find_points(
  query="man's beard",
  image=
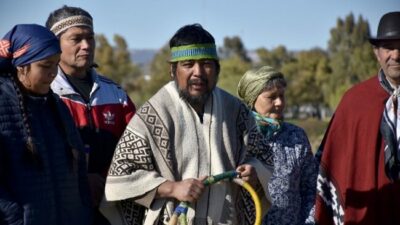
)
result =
(194, 100)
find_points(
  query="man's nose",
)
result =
(396, 54)
(85, 44)
(197, 69)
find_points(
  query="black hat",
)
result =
(388, 28)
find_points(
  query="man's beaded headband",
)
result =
(69, 22)
(193, 52)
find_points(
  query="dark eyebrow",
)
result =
(187, 61)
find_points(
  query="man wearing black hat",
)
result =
(358, 181)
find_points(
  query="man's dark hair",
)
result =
(65, 12)
(191, 34)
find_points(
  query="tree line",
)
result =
(317, 78)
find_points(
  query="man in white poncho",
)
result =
(188, 130)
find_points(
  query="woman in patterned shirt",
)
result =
(292, 186)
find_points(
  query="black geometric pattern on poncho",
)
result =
(159, 131)
(330, 196)
(133, 213)
(243, 117)
(132, 153)
(260, 148)
(246, 207)
(241, 128)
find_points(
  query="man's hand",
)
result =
(188, 190)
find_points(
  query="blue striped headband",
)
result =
(193, 52)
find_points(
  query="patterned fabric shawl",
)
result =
(165, 140)
(390, 129)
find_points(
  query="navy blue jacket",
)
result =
(54, 189)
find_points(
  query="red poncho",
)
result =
(352, 185)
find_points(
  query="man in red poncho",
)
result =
(358, 181)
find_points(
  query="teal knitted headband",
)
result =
(193, 52)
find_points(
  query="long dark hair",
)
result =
(31, 153)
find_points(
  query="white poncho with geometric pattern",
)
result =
(166, 140)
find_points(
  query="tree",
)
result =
(306, 76)
(275, 58)
(234, 47)
(145, 87)
(232, 69)
(125, 71)
(351, 56)
(115, 62)
(160, 70)
(234, 63)
(104, 56)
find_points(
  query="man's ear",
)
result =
(376, 49)
(171, 71)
